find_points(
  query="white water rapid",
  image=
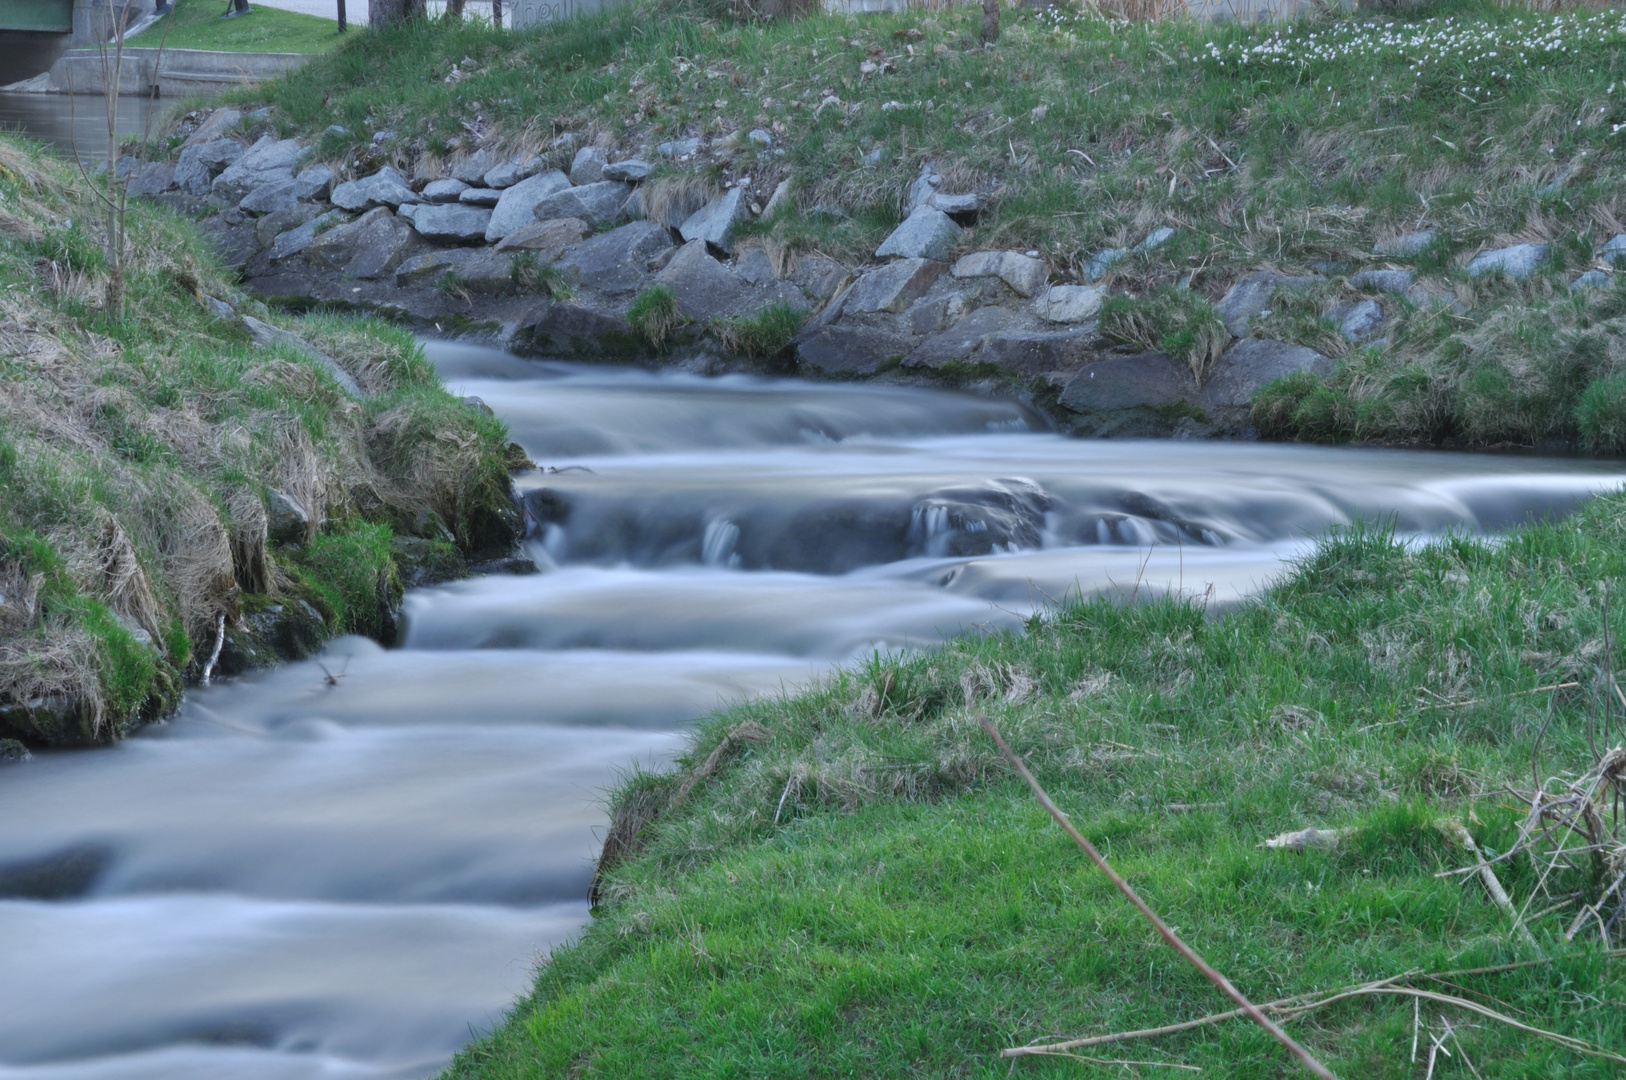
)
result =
(293, 879)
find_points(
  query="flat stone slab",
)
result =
(962, 208)
(925, 234)
(1024, 274)
(1069, 303)
(444, 191)
(455, 223)
(549, 238)
(386, 187)
(1251, 294)
(892, 287)
(268, 198)
(714, 222)
(517, 205)
(480, 196)
(1038, 352)
(1518, 261)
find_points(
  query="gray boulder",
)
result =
(472, 169)
(962, 208)
(454, 223)
(480, 196)
(960, 342)
(274, 224)
(922, 189)
(510, 173)
(632, 170)
(1389, 281)
(269, 197)
(1517, 262)
(314, 184)
(517, 205)
(1022, 273)
(565, 329)
(386, 187)
(678, 148)
(1069, 303)
(892, 287)
(1031, 353)
(430, 266)
(1154, 240)
(924, 234)
(215, 125)
(548, 238)
(1358, 319)
(444, 191)
(489, 271)
(1614, 249)
(371, 246)
(297, 240)
(817, 276)
(1249, 365)
(714, 222)
(199, 163)
(849, 350)
(269, 159)
(603, 203)
(616, 262)
(154, 178)
(1138, 383)
(1251, 295)
(588, 166)
(754, 267)
(286, 520)
(703, 287)
(1101, 263)
(1407, 245)
(1592, 279)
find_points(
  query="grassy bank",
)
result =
(849, 882)
(147, 460)
(1297, 148)
(197, 24)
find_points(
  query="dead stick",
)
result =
(1488, 878)
(1304, 1056)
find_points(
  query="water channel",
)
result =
(292, 879)
(77, 123)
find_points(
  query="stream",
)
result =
(292, 879)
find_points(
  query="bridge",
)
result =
(35, 33)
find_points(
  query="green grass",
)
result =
(654, 316)
(762, 335)
(197, 24)
(862, 889)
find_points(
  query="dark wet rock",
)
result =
(924, 234)
(453, 224)
(443, 191)
(703, 287)
(632, 170)
(431, 266)
(588, 166)
(273, 225)
(567, 329)
(517, 206)
(1249, 365)
(286, 520)
(1129, 395)
(892, 287)
(386, 187)
(1039, 352)
(1024, 274)
(480, 196)
(199, 163)
(714, 222)
(604, 203)
(547, 238)
(1251, 294)
(67, 874)
(616, 262)
(1389, 281)
(850, 349)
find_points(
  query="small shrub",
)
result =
(1601, 415)
(528, 270)
(1172, 320)
(655, 316)
(763, 335)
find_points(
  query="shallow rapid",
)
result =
(300, 877)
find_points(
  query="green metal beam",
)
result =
(52, 16)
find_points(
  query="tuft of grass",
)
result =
(654, 316)
(763, 335)
(529, 271)
(353, 571)
(848, 881)
(1172, 320)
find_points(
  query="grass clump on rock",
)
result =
(655, 316)
(763, 335)
(1172, 320)
(164, 479)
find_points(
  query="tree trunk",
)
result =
(344, 24)
(990, 21)
(454, 9)
(382, 13)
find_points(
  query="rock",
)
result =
(1432, 296)
(273, 225)
(603, 203)
(615, 262)
(678, 148)
(1517, 262)
(267, 335)
(430, 266)
(548, 238)
(1102, 262)
(1614, 250)
(874, 157)
(386, 187)
(455, 223)
(892, 287)
(1069, 303)
(817, 276)
(1358, 319)
(155, 178)
(703, 287)
(219, 308)
(489, 271)
(480, 196)
(267, 160)
(198, 164)
(276, 195)
(382, 137)
(472, 169)
(754, 267)
(314, 184)
(517, 205)
(934, 314)
(632, 170)
(849, 350)
(960, 342)
(510, 173)
(1024, 274)
(923, 188)
(368, 247)
(215, 125)
(1139, 383)
(409, 211)
(1389, 281)
(1154, 240)
(714, 222)
(444, 191)
(286, 520)
(567, 329)
(1592, 279)
(924, 234)
(1249, 365)
(588, 166)
(1404, 247)
(336, 132)
(295, 241)
(1037, 352)
(780, 197)
(962, 208)
(1251, 295)
(759, 136)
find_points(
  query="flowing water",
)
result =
(298, 879)
(76, 123)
